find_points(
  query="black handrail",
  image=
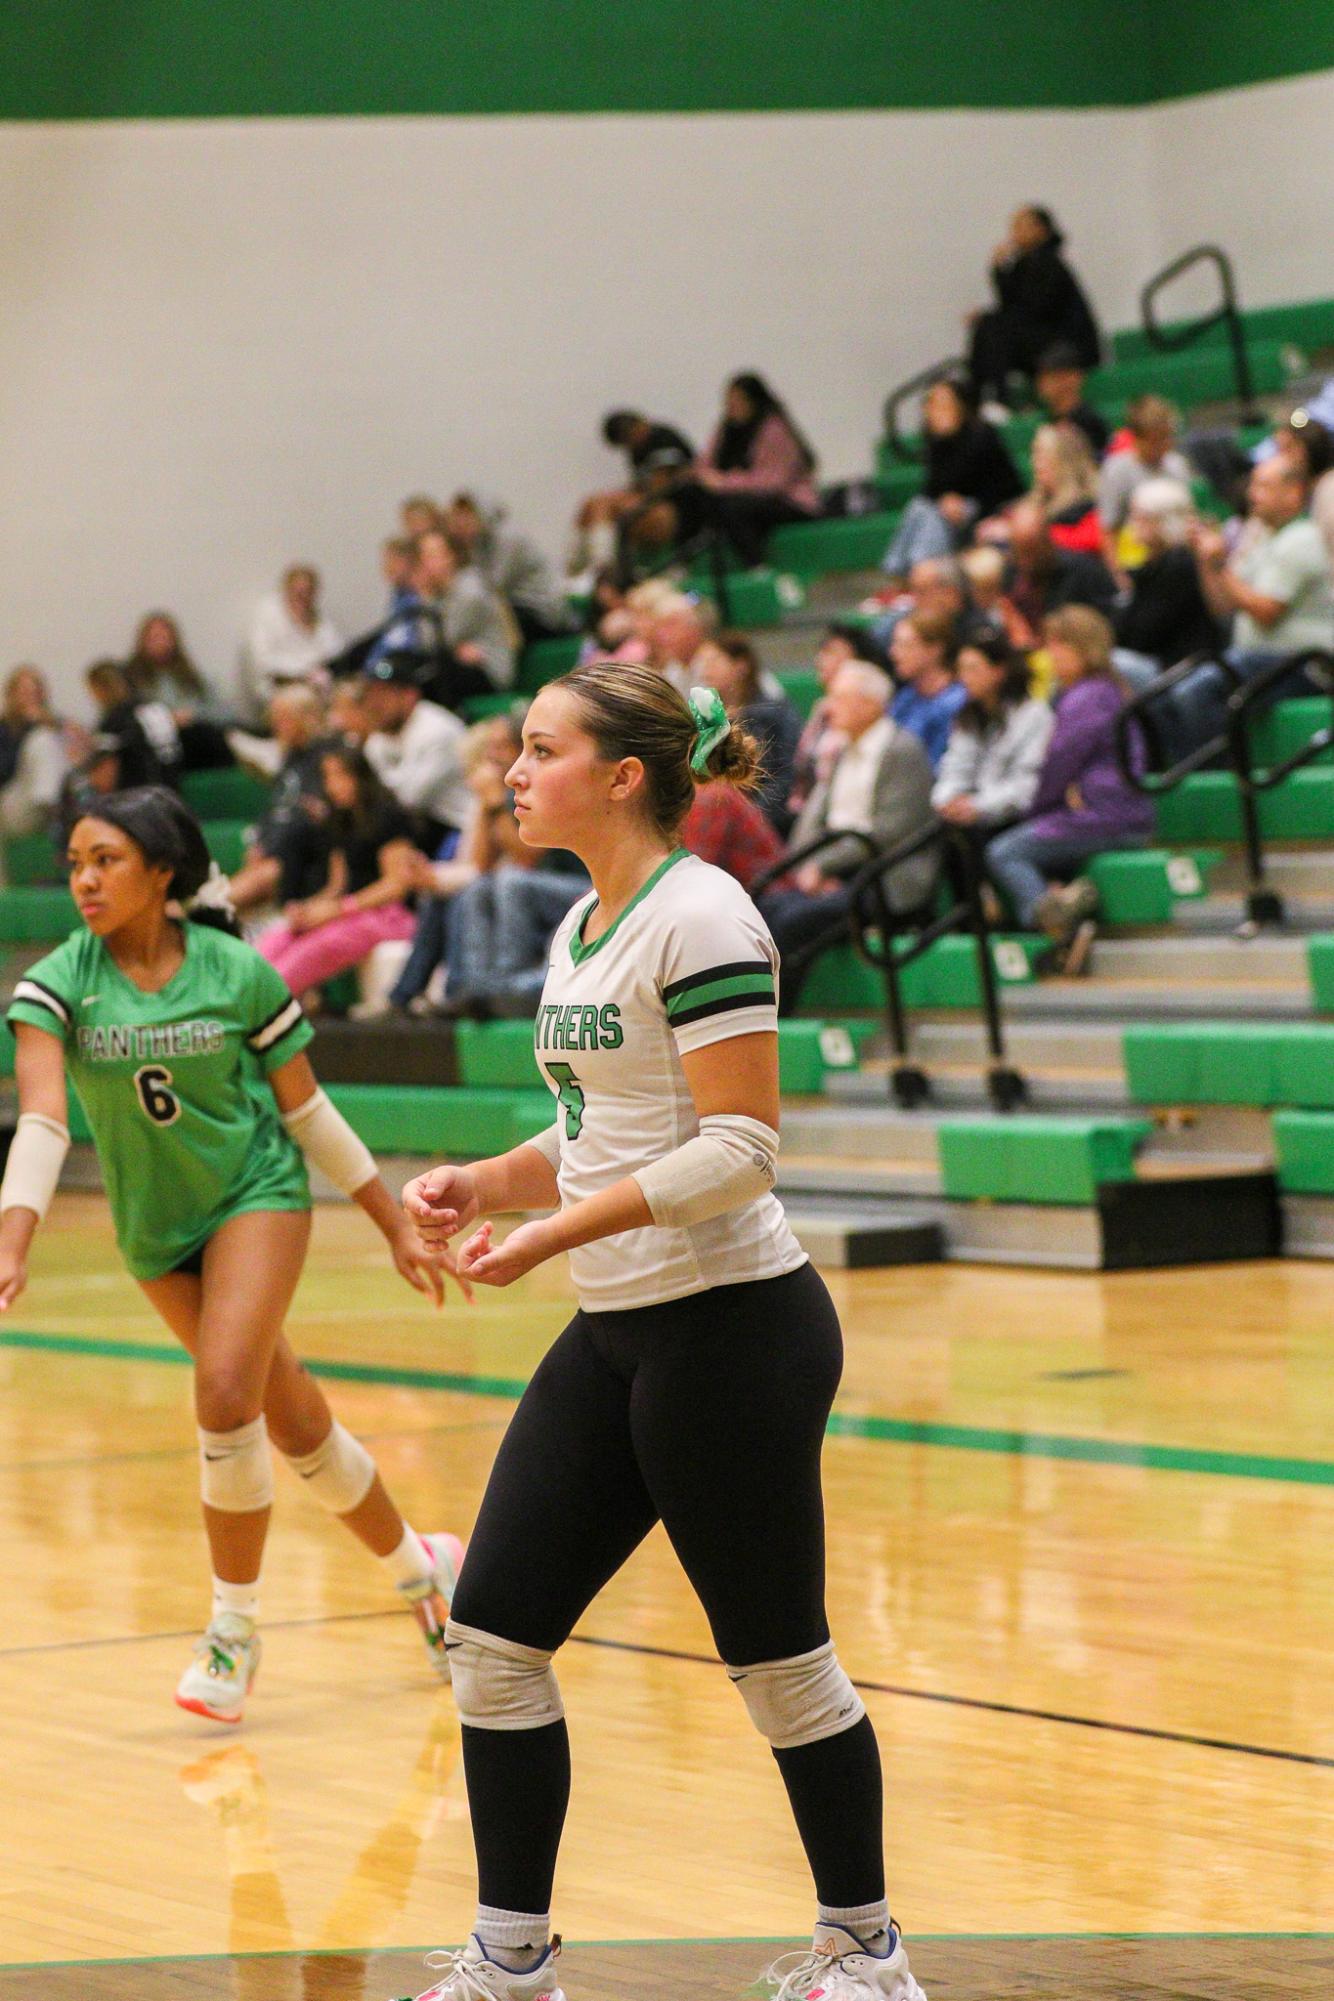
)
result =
(875, 926)
(901, 446)
(1245, 702)
(1226, 313)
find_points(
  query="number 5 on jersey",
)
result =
(161, 1104)
(571, 1097)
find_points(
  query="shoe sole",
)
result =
(202, 1709)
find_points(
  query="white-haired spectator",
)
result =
(880, 786)
(678, 630)
(1150, 455)
(290, 638)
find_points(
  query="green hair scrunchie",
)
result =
(711, 726)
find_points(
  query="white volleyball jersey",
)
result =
(688, 962)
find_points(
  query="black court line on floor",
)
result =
(1205, 1967)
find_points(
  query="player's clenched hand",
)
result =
(423, 1268)
(490, 1263)
(441, 1203)
(13, 1277)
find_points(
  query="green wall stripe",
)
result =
(842, 1424)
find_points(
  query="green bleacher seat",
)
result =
(1193, 375)
(6, 1050)
(811, 549)
(392, 1118)
(544, 660)
(1304, 1143)
(1030, 1158)
(1307, 324)
(1204, 807)
(226, 842)
(1288, 727)
(231, 794)
(945, 976)
(1320, 959)
(479, 708)
(31, 858)
(1259, 1063)
(756, 597)
(36, 916)
(499, 1055)
(1141, 885)
(897, 479)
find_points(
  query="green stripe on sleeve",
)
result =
(748, 986)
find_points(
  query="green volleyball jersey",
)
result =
(174, 1087)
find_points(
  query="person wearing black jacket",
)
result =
(969, 475)
(1039, 303)
(1166, 616)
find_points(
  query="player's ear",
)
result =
(628, 778)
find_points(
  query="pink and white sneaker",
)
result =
(838, 1967)
(470, 1976)
(431, 1598)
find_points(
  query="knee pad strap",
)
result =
(235, 1469)
(801, 1700)
(338, 1473)
(498, 1684)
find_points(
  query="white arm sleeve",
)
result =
(733, 1161)
(36, 1156)
(329, 1143)
(547, 1143)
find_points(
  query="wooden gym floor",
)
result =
(1081, 1564)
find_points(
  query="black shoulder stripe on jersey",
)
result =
(711, 973)
(279, 1023)
(730, 1004)
(32, 990)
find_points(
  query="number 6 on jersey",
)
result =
(161, 1104)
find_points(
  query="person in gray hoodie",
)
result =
(511, 564)
(989, 774)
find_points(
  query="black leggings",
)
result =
(706, 1413)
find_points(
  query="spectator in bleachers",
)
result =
(880, 786)
(1084, 804)
(677, 631)
(287, 857)
(989, 774)
(510, 564)
(148, 742)
(657, 456)
(290, 637)
(756, 474)
(1164, 616)
(928, 696)
(729, 664)
(1065, 486)
(35, 754)
(1151, 454)
(417, 515)
(1274, 586)
(1040, 303)
(159, 669)
(1304, 442)
(415, 747)
(969, 475)
(623, 629)
(1060, 386)
(348, 715)
(819, 743)
(397, 562)
(371, 871)
(726, 828)
(1044, 578)
(984, 569)
(937, 585)
(459, 629)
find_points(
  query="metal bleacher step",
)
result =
(1222, 914)
(1308, 1226)
(1263, 961)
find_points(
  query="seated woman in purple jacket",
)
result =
(1084, 804)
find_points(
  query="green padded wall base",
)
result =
(1305, 1146)
(1030, 1158)
(1141, 885)
(225, 795)
(1230, 1063)
(461, 1122)
(1320, 959)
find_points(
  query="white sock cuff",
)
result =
(863, 1919)
(513, 1931)
(410, 1563)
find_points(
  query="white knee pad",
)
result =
(801, 1700)
(235, 1469)
(337, 1474)
(499, 1685)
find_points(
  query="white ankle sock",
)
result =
(411, 1562)
(871, 1923)
(241, 1600)
(515, 1940)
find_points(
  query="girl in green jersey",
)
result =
(187, 1052)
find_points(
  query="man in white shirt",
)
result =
(880, 786)
(416, 746)
(1275, 585)
(290, 638)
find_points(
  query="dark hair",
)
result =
(1315, 441)
(1055, 234)
(993, 643)
(168, 835)
(963, 386)
(859, 638)
(633, 712)
(737, 647)
(736, 438)
(372, 794)
(617, 424)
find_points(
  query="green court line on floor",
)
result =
(842, 1424)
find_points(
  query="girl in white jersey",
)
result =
(188, 1054)
(695, 1380)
